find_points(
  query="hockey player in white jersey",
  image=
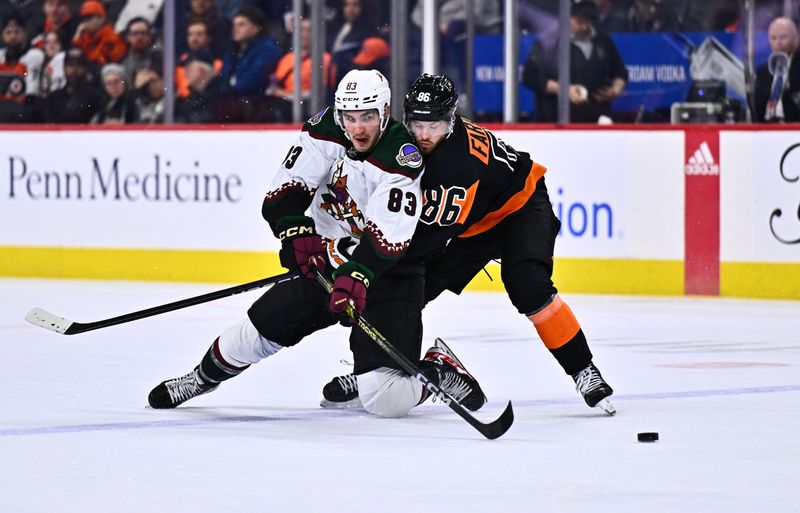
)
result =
(346, 201)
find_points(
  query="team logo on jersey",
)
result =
(316, 118)
(16, 87)
(338, 203)
(409, 155)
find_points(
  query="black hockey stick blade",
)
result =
(52, 322)
(491, 430)
(494, 429)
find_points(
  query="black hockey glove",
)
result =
(349, 289)
(302, 248)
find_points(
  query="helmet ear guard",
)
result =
(362, 90)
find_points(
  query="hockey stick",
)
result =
(492, 430)
(47, 320)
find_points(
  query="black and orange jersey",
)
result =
(473, 181)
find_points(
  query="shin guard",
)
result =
(562, 335)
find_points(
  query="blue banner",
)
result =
(658, 66)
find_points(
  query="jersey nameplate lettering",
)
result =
(477, 141)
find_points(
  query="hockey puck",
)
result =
(647, 437)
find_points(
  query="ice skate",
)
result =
(453, 377)
(174, 392)
(595, 391)
(341, 393)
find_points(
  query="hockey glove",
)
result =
(349, 289)
(302, 248)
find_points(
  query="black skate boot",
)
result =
(445, 370)
(594, 389)
(177, 391)
(341, 392)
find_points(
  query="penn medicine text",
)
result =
(111, 180)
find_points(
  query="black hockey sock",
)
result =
(575, 355)
(214, 368)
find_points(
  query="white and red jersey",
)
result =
(373, 197)
(28, 69)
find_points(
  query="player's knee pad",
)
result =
(242, 344)
(386, 392)
(527, 284)
(555, 323)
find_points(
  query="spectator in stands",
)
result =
(354, 42)
(725, 16)
(239, 88)
(79, 99)
(149, 94)
(53, 77)
(58, 18)
(118, 106)
(785, 101)
(219, 27)
(142, 47)
(611, 17)
(652, 16)
(282, 88)
(229, 8)
(20, 68)
(487, 17)
(95, 35)
(29, 11)
(597, 73)
(194, 107)
(198, 40)
(246, 69)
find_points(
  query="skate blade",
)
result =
(607, 407)
(346, 405)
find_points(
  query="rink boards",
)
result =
(673, 210)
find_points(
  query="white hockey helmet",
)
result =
(362, 90)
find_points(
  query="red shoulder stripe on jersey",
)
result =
(326, 137)
(513, 204)
(466, 203)
(408, 173)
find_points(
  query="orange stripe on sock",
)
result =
(555, 323)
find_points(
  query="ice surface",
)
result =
(719, 379)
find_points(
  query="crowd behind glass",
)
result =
(102, 62)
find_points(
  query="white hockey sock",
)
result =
(242, 344)
(388, 392)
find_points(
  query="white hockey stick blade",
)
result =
(46, 320)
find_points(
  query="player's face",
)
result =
(363, 127)
(428, 134)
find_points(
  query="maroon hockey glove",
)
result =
(349, 288)
(302, 248)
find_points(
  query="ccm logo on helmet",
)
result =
(296, 230)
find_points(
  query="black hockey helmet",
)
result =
(430, 98)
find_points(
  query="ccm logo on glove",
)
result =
(295, 231)
(349, 288)
(301, 247)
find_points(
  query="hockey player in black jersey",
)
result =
(491, 202)
(346, 201)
